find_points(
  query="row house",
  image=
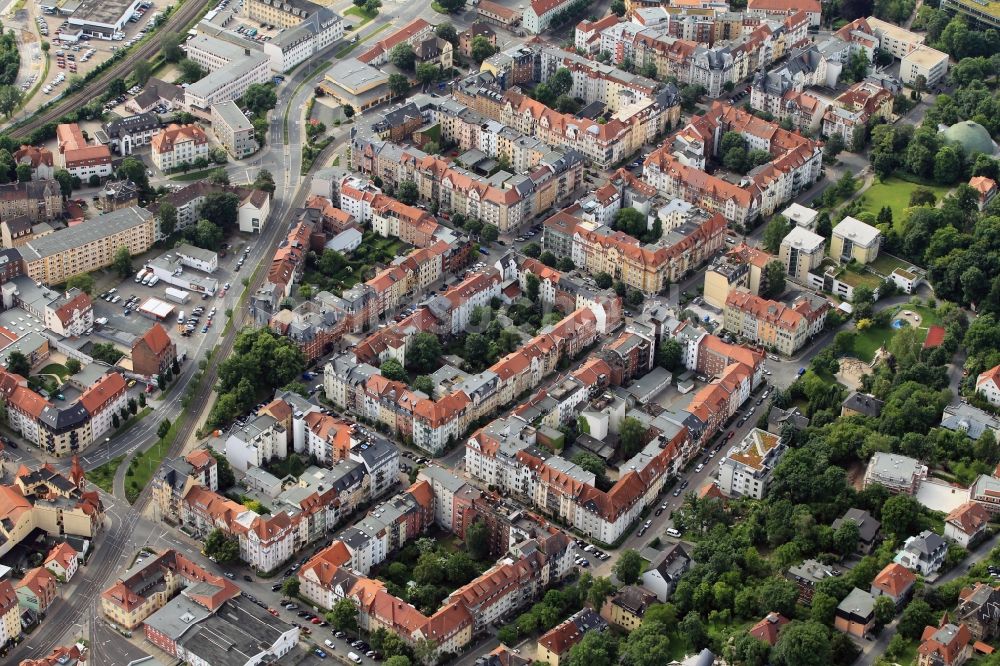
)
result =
(454, 307)
(781, 90)
(772, 324)
(314, 326)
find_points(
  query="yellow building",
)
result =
(627, 608)
(554, 646)
(90, 245)
(280, 13)
(854, 240)
(765, 322)
(801, 251)
(743, 266)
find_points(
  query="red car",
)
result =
(316, 620)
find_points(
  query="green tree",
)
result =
(452, 5)
(163, 428)
(603, 280)
(618, 7)
(141, 72)
(532, 250)
(399, 85)
(693, 629)
(189, 71)
(424, 383)
(344, 616)
(628, 568)
(167, 216)
(407, 192)
(73, 366)
(397, 660)
(599, 591)
(900, 514)
(402, 56)
(133, 169)
(597, 648)
(670, 355)
(531, 287)
(122, 262)
(170, 46)
(885, 610)
(490, 233)
(631, 436)
(481, 48)
(917, 615)
(84, 282)
(221, 208)
(802, 644)
(65, 180)
(223, 548)
(24, 173)
(393, 369)
(424, 354)
(447, 32)
(775, 232)
(774, 280)
(290, 587)
(477, 540)
(548, 258)
(18, 364)
(260, 98)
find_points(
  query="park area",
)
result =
(869, 340)
(895, 193)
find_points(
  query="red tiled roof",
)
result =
(894, 580)
(969, 517)
(767, 629)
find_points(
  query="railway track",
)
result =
(179, 22)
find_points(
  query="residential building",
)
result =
(63, 561)
(412, 33)
(75, 655)
(88, 246)
(497, 14)
(477, 29)
(856, 108)
(768, 9)
(47, 500)
(855, 615)
(923, 553)
(538, 14)
(806, 576)
(10, 613)
(967, 524)
(156, 93)
(987, 15)
(979, 609)
(555, 644)
(627, 607)
(986, 188)
(153, 353)
(988, 385)
(896, 582)
(869, 529)
(254, 210)
(900, 474)
(233, 129)
(766, 322)
(36, 590)
(126, 134)
(318, 29)
(801, 252)
(743, 266)
(801, 216)
(923, 61)
(148, 586)
(854, 240)
(35, 201)
(81, 159)
(945, 645)
(71, 314)
(664, 572)
(179, 145)
(39, 159)
(747, 468)
(861, 404)
(259, 441)
(893, 38)
(769, 628)
(974, 422)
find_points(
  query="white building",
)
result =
(258, 441)
(195, 257)
(233, 129)
(926, 62)
(988, 385)
(445, 485)
(231, 71)
(923, 554)
(254, 211)
(296, 44)
(747, 468)
(538, 14)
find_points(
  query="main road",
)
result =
(283, 157)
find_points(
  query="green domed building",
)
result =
(972, 136)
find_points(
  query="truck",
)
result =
(141, 275)
(177, 295)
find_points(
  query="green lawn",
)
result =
(55, 369)
(104, 476)
(360, 13)
(868, 341)
(895, 193)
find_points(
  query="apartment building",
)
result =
(39, 159)
(88, 246)
(747, 468)
(900, 474)
(853, 240)
(923, 61)
(46, 499)
(81, 159)
(801, 251)
(148, 586)
(312, 35)
(412, 33)
(35, 201)
(677, 169)
(124, 135)
(860, 104)
(894, 39)
(232, 69)
(10, 613)
(781, 91)
(741, 267)
(766, 322)
(233, 129)
(781, 8)
(153, 352)
(179, 145)
(538, 14)
(685, 244)
(988, 385)
(260, 440)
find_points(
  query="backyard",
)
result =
(895, 193)
(333, 272)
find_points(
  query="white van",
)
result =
(353, 657)
(673, 532)
(141, 275)
(152, 283)
(146, 280)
